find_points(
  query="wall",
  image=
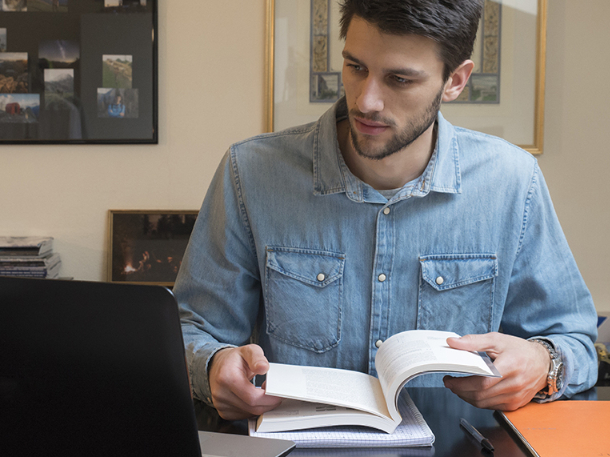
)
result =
(576, 160)
(211, 75)
(210, 78)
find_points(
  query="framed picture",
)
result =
(146, 247)
(504, 97)
(78, 71)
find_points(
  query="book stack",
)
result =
(28, 256)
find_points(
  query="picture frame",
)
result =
(504, 98)
(147, 246)
(78, 72)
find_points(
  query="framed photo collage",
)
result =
(78, 71)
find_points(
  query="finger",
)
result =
(250, 398)
(495, 399)
(255, 358)
(243, 400)
(470, 383)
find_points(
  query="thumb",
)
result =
(468, 343)
(492, 343)
(255, 359)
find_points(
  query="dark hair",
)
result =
(452, 24)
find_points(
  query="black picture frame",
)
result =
(147, 246)
(78, 72)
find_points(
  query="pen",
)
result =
(477, 435)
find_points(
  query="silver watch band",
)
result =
(555, 374)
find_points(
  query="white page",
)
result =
(334, 386)
(408, 353)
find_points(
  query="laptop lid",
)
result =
(92, 369)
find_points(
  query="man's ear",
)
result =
(457, 81)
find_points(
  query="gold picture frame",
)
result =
(518, 116)
(147, 246)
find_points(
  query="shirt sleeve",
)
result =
(218, 286)
(547, 297)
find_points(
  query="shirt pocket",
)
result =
(303, 294)
(456, 292)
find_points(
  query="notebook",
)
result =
(98, 369)
(562, 428)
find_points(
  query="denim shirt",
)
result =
(292, 251)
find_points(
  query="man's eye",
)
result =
(355, 67)
(401, 81)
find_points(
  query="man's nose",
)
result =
(370, 98)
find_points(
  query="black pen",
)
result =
(477, 435)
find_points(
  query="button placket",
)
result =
(380, 306)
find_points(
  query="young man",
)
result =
(324, 240)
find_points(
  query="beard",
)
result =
(414, 129)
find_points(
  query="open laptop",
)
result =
(98, 369)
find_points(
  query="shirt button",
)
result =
(386, 211)
(382, 277)
(440, 280)
(378, 343)
(321, 277)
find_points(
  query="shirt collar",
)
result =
(331, 175)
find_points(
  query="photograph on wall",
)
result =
(125, 5)
(14, 72)
(2, 40)
(48, 6)
(117, 71)
(117, 103)
(504, 97)
(148, 246)
(58, 54)
(484, 83)
(19, 108)
(14, 5)
(326, 87)
(59, 88)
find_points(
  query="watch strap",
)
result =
(555, 374)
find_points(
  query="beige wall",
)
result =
(211, 76)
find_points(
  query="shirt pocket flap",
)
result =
(313, 267)
(445, 272)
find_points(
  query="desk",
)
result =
(442, 411)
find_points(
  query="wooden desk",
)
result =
(442, 411)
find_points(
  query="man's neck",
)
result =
(391, 172)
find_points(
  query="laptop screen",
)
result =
(92, 369)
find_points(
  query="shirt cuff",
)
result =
(198, 371)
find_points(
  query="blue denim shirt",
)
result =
(317, 266)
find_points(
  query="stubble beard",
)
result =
(401, 140)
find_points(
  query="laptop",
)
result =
(99, 369)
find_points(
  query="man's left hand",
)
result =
(523, 364)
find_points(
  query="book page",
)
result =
(333, 386)
(407, 354)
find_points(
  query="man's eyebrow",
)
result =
(412, 72)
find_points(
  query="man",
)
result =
(324, 240)
(117, 109)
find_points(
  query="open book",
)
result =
(360, 399)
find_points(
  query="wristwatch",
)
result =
(554, 378)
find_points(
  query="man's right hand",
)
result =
(230, 374)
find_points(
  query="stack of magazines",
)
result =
(28, 256)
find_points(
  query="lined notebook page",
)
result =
(412, 431)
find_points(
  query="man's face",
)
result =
(393, 86)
